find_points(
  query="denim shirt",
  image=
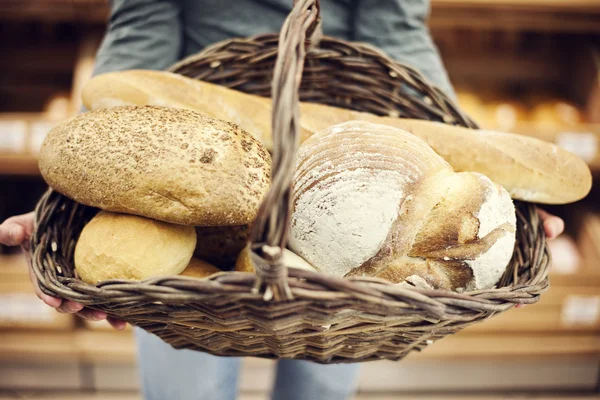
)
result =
(154, 34)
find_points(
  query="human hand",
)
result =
(16, 231)
(553, 225)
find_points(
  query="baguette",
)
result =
(530, 169)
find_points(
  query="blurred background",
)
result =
(526, 66)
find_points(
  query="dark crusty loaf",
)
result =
(168, 164)
(220, 245)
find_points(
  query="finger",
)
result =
(553, 226)
(117, 323)
(16, 230)
(92, 315)
(69, 307)
(53, 302)
(11, 234)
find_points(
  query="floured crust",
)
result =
(168, 164)
(455, 230)
(350, 182)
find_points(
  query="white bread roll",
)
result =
(163, 163)
(530, 169)
(121, 246)
(374, 200)
(290, 260)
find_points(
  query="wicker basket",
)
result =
(281, 313)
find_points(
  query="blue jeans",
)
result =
(169, 374)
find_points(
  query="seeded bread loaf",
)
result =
(168, 164)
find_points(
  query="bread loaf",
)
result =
(168, 164)
(199, 269)
(375, 200)
(290, 260)
(141, 87)
(530, 169)
(128, 247)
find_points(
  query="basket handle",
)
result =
(268, 237)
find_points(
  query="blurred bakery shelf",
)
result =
(134, 395)
(509, 361)
(20, 309)
(21, 136)
(91, 11)
(570, 16)
(542, 15)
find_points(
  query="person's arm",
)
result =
(399, 28)
(141, 34)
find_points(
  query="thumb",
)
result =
(12, 234)
(16, 230)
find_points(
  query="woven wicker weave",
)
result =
(294, 314)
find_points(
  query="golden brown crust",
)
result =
(167, 164)
(199, 269)
(122, 246)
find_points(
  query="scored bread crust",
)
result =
(168, 164)
(372, 200)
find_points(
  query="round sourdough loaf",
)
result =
(168, 164)
(122, 246)
(374, 200)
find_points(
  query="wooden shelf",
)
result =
(82, 11)
(544, 15)
(559, 5)
(38, 347)
(19, 164)
(568, 16)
